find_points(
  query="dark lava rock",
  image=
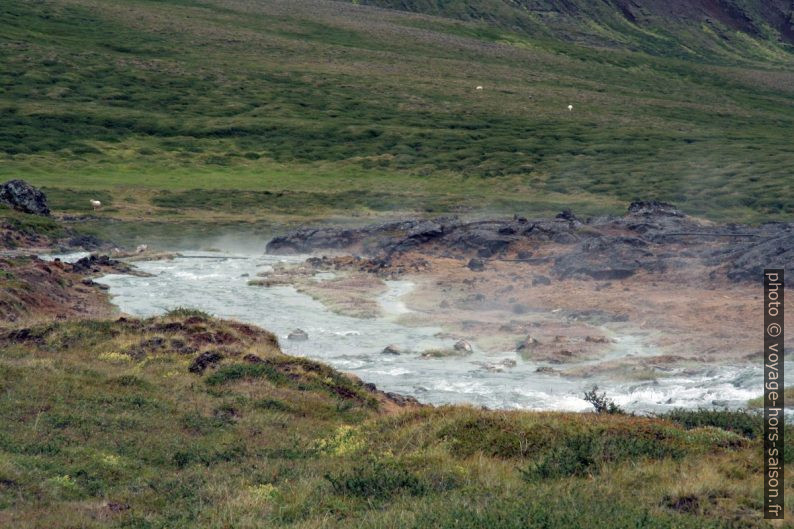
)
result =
(568, 215)
(92, 263)
(402, 400)
(607, 258)
(653, 208)
(86, 242)
(476, 265)
(540, 280)
(391, 350)
(653, 237)
(747, 263)
(23, 197)
(205, 360)
(387, 237)
(527, 343)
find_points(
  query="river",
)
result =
(218, 284)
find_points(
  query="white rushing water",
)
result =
(218, 284)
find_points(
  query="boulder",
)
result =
(462, 346)
(527, 343)
(21, 196)
(92, 264)
(391, 350)
(653, 208)
(298, 335)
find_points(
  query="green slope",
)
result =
(702, 29)
(330, 98)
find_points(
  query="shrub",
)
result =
(584, 454)
(378, 479)
(601, 403)
(240, 371)
(576, 457)
(746, 423)
(186, 312)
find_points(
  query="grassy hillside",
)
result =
(688, 29)
(119, 424)
(323, 99)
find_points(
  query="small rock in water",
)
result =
(462, 346)
(298, 335)
(509, 362)
(528, 343)
(391, 350)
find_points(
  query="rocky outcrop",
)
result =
(652, 237)
(22, 196)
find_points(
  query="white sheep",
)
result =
(141, 248)
(479, 87)
(570, 108)
(96, 204)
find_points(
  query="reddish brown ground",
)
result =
(32, 290)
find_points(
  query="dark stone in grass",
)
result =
(540, 280)
(205, 360)
(117, 507)
(253, 359)
(688, 503)
(22, 196)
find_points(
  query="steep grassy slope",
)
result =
(323, 99)
(117, 424)
(696, 29)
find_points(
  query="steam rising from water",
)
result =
(218, 285)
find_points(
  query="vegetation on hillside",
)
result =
(317, 100)
(690, 29)
(189, 421)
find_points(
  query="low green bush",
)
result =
(377, 478)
